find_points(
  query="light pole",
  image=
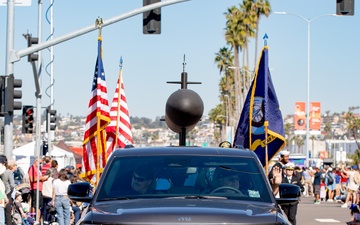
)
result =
(308, 74)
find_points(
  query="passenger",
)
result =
(142, 179)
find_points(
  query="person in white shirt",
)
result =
(60, 200)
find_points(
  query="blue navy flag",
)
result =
(261, 105)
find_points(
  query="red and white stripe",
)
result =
(96, 122)
(120, 121)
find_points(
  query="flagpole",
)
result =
(98, 149)
(98, 24)
(266, 124)
(118, 104)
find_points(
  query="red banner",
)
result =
(300, 116)
(315, 116)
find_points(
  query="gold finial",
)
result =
(98, 23)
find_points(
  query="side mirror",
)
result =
(80, 192)
(289, 193)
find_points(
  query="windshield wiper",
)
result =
(199, 197)
(116, 198)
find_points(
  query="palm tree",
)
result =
(356, 158)
(353, 126)
(312, 138)
(299, 142)
(287, 131)
(249, 23)
(234, 35)
(224, 58)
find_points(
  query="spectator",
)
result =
(308, 182)
(47, 196)
(70, 171)
(330, 184)
(60, 199)
(337, 184)
(316, 184)
(352, 188)
(33, 174)
(46, 164)
(18, 175)
(54, 168)
(344, 177)
(19, 214)
(3, 197)
(8, 179)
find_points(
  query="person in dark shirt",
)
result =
(278, 168)
(290, 178)
(316, 183)
(142, 179)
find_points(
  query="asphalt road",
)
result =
(324, 213)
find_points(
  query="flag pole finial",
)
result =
(121, 62)
(265, 39)
(184, 64)
(98, 23)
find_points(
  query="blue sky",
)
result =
(196, 29)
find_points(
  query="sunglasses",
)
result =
(140, 179)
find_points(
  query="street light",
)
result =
(308, 74)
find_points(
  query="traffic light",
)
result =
(32, 41)
(50, 118)
(28, 119)
(12, 94)
(345, 7)
(151, 19)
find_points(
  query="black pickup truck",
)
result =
(183, 185)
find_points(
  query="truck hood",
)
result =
(181, 211)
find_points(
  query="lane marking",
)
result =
(327, 221)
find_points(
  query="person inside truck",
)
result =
(142, 180)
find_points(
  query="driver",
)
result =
(229, 178)
(142, 179)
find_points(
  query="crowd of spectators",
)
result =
(21, 193)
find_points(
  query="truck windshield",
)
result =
(184, 176)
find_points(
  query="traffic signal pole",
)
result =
(17, 55)
(14, 56)
(9, 68)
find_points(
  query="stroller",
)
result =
(52, 214)
(24, 190)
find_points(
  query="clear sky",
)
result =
(196, 29)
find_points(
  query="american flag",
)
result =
(94, 145)
(119, 130)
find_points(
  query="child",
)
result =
(355, 213)
(322, 190)
(18, 209)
